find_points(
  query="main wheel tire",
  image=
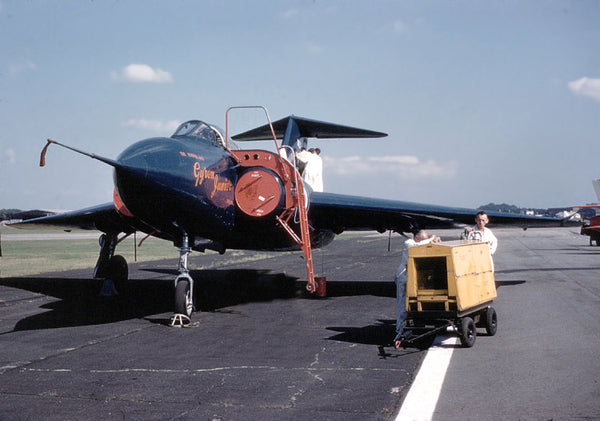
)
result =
(491, 321)
(184, 302)
(117, 271)
(468, 332)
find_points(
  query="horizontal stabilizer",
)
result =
(307, 128)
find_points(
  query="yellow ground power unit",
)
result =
(449, 284)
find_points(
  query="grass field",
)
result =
(29, 252)
(22, 255)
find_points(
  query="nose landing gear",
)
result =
(184, 289)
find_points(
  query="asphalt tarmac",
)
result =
(261, 348)
(543, 364)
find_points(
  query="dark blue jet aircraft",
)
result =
(194, 190)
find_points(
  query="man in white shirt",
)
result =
(302, 158)
(421, 238)
(313, 168)
(481, 233)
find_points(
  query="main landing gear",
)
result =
(110, 267)
(184, 288)
(113, 269)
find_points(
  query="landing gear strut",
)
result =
(184, 288)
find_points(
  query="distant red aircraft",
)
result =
(195, 190)
(592, 229)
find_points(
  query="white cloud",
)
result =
(288, 14)
(142, 73)
(153, 125)
(10, 156)
(19, 67)
(400, 27)
(314, 48)
(587, 87)
(402, 167)
(398, 159)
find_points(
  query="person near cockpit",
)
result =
(313, 168)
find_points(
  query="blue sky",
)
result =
(483, 101)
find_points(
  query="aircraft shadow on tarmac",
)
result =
(381, 333)
(79, 303)
(500, 284)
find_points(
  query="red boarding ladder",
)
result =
(300, 206)
(258, 192)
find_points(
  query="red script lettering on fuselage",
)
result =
(219, 183)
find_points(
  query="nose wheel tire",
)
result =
(184, 302)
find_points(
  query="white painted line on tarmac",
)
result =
(423, 395)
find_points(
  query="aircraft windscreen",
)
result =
(220, 134)
(200, 130)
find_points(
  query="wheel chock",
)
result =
(180, 320)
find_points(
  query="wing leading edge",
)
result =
(339, 213)
(103, 218)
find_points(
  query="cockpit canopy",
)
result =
(201, 130)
